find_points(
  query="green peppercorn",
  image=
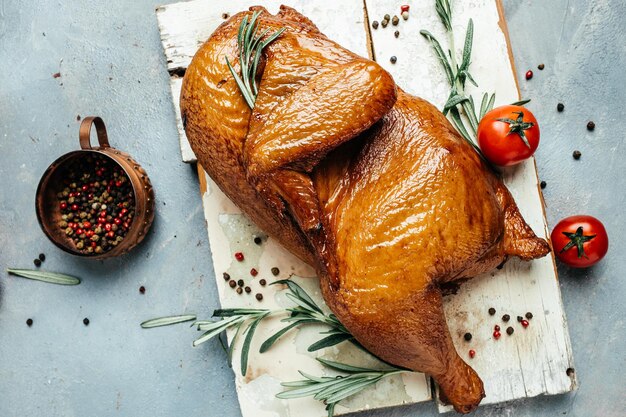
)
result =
(384, 23)
(395, 20)
(239, 290)
(375, 24)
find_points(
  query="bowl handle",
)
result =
(84, 133)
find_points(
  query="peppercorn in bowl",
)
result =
(95, 202)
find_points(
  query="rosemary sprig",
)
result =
(250, 47)
(331, 390)
(460, 106)
(50, 277)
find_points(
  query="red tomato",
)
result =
(580, 241)
(508, 134)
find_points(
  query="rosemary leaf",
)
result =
(332, 340)
(453, 101)
(224, 323)
(458, 123)
(492, 100)
(467, 47)
(230, 312)
(521, 102)
(272, 339)
(213, 330)
(50, 277)
(166, 321)
(299, 293)
(483, 105)
(231, 348)
(359, 385)
(245, 349)
(440, 54)
(347, 368)
(242, 87)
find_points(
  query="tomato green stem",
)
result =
(577, 239)
(518, 126)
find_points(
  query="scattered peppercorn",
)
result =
(405, 15)
(543, 184)
(529, 74)
(262, 282)
(541, 66)
(395, 20)
(240, 283)
(259, 296)
(591, 126)
(404, 8)
(496, 334)
(569, 371)
(258, 240)
(42, 257)
(384, 23)
(37, 262)
(396, 33)
(232, 283)
(239, 290)
(275, 271)
(225, 15)
(506, 318)
(86, 321)
(386, 17)
(560, 107)
(509, 330)
(519, 319)
(226, 276)
(375, 24)
(496, 328)
(142, 289)
(467, 337)
(492, 311)
(239, 256)
(576, 154)
(472, 353)
(29, 322)
(254, 272)
(529, 315)
(525, 323)
(393, 59)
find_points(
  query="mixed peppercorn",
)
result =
(97, 204)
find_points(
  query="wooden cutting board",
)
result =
(531, 362)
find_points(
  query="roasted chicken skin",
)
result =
(370, 185)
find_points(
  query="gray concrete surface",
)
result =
(111, 64)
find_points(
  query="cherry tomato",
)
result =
(580, 241)
(508, 134)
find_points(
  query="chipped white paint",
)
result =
(531, 362)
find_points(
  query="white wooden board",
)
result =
(532, 361)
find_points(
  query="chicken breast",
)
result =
(370, 185)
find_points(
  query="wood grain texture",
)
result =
(532, 361)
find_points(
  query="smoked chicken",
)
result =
(367, 183)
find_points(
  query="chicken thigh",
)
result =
(370, 185)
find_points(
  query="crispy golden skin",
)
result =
(370, 185)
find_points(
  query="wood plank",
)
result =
(532, 361)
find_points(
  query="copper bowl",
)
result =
(47, 205)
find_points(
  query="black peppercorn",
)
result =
(142, 289)
(560, 107)
(393, 59)
(541, 66)
(259, 296)
(506, 318)
(467, 337)
(29, 322)
(42, 257)
(248, 289)
(520, 318)
(37, 262)
(225, 15)
(509, 330)
(262, 282)
(275, 271)
(232, 283)
(226, 276)
(576, 154)
(591, 126)
(396, 33)
(240, 282)
(86, 321)
(375, 24)
(258, 240)
(492, 311)
(529, 315)
(543, 184)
